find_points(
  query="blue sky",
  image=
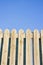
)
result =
(21, 14)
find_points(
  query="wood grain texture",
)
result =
(20, 47)
(28, 48)
(13, 48)
(5, 47)
(36, 48)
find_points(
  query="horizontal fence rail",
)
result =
(21, 48)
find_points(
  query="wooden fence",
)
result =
(21, 48)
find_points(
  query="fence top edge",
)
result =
(21, 30)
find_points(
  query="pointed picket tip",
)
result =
(36, 30)
(0, 30)
(37, 33)
(13, 31)
(41, 31)
(7, 32)
(28, 31)
(1, 33)
(21, 31)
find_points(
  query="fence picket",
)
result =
(5, 47)
(42, 44)
(36, 48)
(1, 35)
(20, 47)
(28, 48)
(13, 47)
(31, 38)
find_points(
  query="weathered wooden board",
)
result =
(13, 48)
(5, 47)
(1, 34)
(28, 48)
(42, 44)
(36, 48)
(20, 47)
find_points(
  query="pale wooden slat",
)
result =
(5, 47)
(28, 48)
(13, 48)
(36, 48)
(0, 45)
(1, 34)
(42, 43)
(20, 47)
